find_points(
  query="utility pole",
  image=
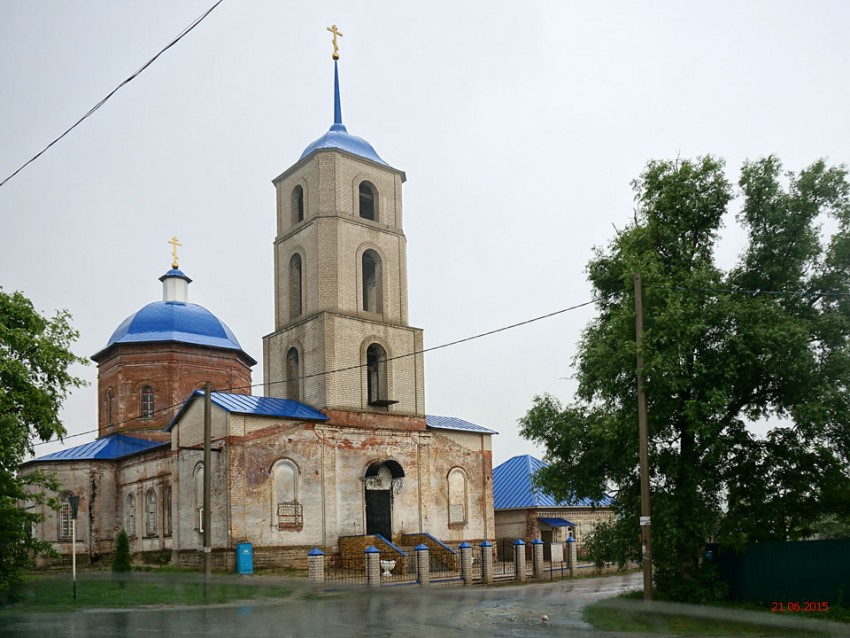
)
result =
(645, 521)
(207, 485)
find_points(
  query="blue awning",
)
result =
(556, 522)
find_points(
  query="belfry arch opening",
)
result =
(297, 204)
(368, 201)
(372, 282)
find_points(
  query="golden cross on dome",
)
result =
(175, 243)
(334, 30)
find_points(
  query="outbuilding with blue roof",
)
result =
(524, 510)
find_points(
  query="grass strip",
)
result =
(106, 591)
(625, 614)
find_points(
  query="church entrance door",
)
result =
(378, 513)
(383, 481)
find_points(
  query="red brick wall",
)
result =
(173, 370)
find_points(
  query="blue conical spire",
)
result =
(337, 125)
(338, 136)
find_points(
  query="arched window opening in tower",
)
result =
(372, 282)
(376, 376)
(293, 375)
(297, 205)
(368, 201)
(295, 279)
(147, 403)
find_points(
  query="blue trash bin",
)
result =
(244, 558)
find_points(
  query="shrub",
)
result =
(121, 562)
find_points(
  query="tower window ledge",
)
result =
(382, 403)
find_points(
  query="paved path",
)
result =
(395, 613)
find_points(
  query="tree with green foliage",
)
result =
(121, 563)
(35, 359)
(766, 342)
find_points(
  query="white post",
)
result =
(74, 554)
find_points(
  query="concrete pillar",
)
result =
(537, 557)
(519, 559)
(466, 562)
(486, 562)
(316, 567)
(572, 557)
(423, 564)
(373, 566)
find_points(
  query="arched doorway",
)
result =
(383, 480)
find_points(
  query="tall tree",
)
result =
(767, 341)
(35, 359)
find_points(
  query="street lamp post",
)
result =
(74, 502)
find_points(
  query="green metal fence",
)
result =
(792, 572)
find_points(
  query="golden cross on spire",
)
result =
(333, 30)
(175, 243)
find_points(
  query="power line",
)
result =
(91, 111)
(816, 293)
(353, 367)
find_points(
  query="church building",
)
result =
(337, 453)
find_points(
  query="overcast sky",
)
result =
(520, 126)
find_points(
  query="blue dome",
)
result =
(339, 138)
(175, 321)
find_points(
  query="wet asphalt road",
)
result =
(397, 613)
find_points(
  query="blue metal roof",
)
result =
(556, 522)
(338, 136)
(454, 423)
(176, 272)
(513, 486)
(248, 404)
(175, 321)
(108, 448)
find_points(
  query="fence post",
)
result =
(572, 554)
(466, 562)
(519, 559)
(537, 557)
(316, 567)
(487, 562)
(373, 566)
(423, 564)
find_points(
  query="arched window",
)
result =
(372, 283)
(376, 375)
(109, 401)
(166, 511)
(130, 518)
(293, 375)
(295, 279)
(287, 502)
(150, 512)
(297, 204)
(199, 495)
(146, 403)
(368, 201)
(65, 516)
(457, 496)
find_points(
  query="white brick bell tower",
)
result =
(342, 339)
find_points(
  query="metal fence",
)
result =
(441, 564)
